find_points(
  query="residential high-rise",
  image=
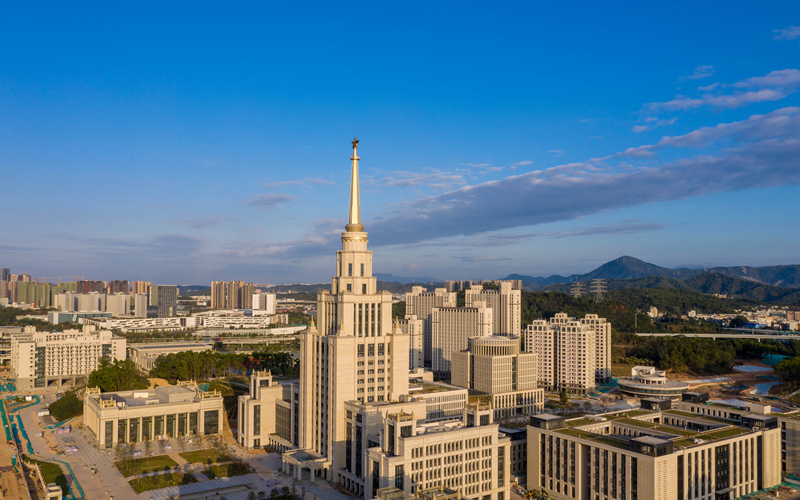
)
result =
(140, 304)
(118, 304)
(495, 366)
(218, 289)
(232, 295)
(264, 302)
(602, 345)
(165, 297)
(5, 274)
(354, 354)
(85, 286)
(413, 327)
(139, 287)
(455, 286)
(573, 355)
(118, 286)
(505, 303)
(420, 303)
(451, 327)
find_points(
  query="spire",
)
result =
(355, 225)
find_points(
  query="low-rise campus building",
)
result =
(164, 412)
(145, 355)
(652, 455)
(647, 382)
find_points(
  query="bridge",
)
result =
(752, 336)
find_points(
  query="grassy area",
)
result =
(144, 465)
(639, 423)
(161, 481)
(699, 417)
(579, 422)
(228, 470)
(52, 473)
(204, 457)
(725, 433)
(613, 442)
(620, 370)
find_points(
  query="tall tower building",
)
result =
(505, 303)
(354, 354)
(5, 274)
(420, 304)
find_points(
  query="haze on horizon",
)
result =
(184, 143)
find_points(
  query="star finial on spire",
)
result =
(355, 143)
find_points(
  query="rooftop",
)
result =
(653, 433)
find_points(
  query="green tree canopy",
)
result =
(122, 375)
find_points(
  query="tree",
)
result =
(262, 495)
(738, 322)
(67, 407)
(788, 369)
(251, 495)
(563, 396)
(148, 445)
(122, 375)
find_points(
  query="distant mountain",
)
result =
(786, 276)
(404, 280)
(542, 281)
(626, 268)
(708, 283)
(185, 289)
(631, 268)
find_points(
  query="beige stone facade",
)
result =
(420, 304)
(353, 354)
(644, 455)
(39, 359)
(414, 328)
(494, 365)
(259, 424)
(471, 457)
(149, 414)
(451, 327)
(573, 355)
(505, 303)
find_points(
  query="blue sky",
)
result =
(190, 142)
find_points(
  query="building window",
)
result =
(159, 425)
(211, 422)
(170, 431)
(122, 430)
(193, 423)
(257, 420)
(349, 269)
(109, 434)
(364, 289)
(349, 287)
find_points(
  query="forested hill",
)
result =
(621, 305)
(707, 283)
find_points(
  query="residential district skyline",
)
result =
(187, 145)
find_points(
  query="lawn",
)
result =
(52, 473)
(149, 464)
(228, 470)
(161, 481)
(209, 456)
(724, 433)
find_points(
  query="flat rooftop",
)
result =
(681, 437)
(169, 394)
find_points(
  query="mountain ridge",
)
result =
(631, 268)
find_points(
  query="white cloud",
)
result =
(789, 33)
(269, 200)
(762, 151)
(434, 179)
(772, 87)
(700, 72)
(556, 152)
(654, 123)
(524, 163)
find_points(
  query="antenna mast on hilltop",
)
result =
(598, 288)
(577, 289)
